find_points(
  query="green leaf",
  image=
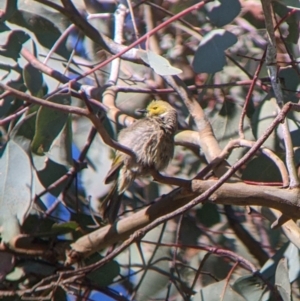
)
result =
(261, 120)
(10, 7)
(15, 275)
(291, 3)
(46, 32)
(50, 174)
(30, 267)
(223, 12)
(26, 126)
(4, 27)
(282, 9)
(291, 253)
(14, 44)
(99, 162)
(9, 103)
(16, 188)
(261, 169)
(61, 151)
(33, 79)
(7, 263)
(105, 275)
(210, 56)
(282, 280)
(251, 288)
(60, 294)
(49, 123)
(208, 214)
(225, 125)
(273, 270)
(154, 283)
(64, 228)
(213, 292)
(159, 64)
(290, 79)
(35, 218)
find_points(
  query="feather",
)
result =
(114, 170)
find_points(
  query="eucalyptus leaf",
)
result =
(291, 3)
(225, 125)
(154, 283)
(7, 262)
(291, 253)
(16, 274)
(49, 123)
(64, 228)
(261, 120)
(16, 188)
(282, 9)
(223, 12)
(251, 288)
(61, 150)
(105, 275)
(218, 291)
(14, 44)
(275, 272)
(282, 280)
(10, 7)
(208, 214)
(9, 102)
(33, 79)
(30, 267)
(51, 173)
(159, 64)
(45, 30)
(210, 56)
(261, 169)
(92, 178)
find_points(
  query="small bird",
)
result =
(151, 139)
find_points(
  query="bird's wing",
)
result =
(115, 167)
(111, 204)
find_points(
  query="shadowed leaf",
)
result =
(210, 56)
(14, 44)
(33, 79)
(223, 12)
(49, 123)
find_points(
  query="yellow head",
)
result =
(158, 108)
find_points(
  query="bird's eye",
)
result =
(154, 108)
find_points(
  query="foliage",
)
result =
(73, 73)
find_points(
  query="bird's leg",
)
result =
(169, 180)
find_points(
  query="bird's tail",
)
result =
(111, 204)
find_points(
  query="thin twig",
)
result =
(45, 103)
(248, 97)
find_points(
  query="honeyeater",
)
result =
(151, 139)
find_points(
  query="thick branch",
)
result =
(284, 200)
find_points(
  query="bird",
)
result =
(151, 139)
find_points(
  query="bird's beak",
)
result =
(143, 111)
